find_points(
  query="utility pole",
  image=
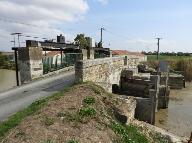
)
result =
(102, 36)
(16, 57)
(158, 44)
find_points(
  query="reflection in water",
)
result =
(178, 117)
(7, 79)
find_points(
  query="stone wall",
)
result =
(104, 72)
(154, 131)
(175, 81)
(30, 63)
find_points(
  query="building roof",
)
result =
(125, 52)
(52, 53)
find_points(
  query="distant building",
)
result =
(137, 55)
(133, 58)
(53, 58)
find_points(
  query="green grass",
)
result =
(128, 133)
(163, 57)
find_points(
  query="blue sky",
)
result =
(130, 24)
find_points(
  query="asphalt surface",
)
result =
(19, 98)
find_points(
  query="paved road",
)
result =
(16, 99)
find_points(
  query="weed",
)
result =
(61, 114)
(48, 121)
(72, 141)
(20, 133)
(89, 100)
(87, 112)
(72, 117)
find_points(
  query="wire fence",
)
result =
(57, 62)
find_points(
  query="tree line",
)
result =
(5, 62)
(168, 53)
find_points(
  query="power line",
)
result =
(117, 35)
(27, 24)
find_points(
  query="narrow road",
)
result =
(17, 99)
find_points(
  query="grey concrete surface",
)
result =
(19, 98)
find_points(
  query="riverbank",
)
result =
(178, 117)
(7, 79)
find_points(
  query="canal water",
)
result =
(178, 117)
(7, 79)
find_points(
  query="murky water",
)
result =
(7, 79)
(178, 117)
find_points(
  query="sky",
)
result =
(129, 24)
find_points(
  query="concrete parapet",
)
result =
(104, 72)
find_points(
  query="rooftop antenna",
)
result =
(18, 36)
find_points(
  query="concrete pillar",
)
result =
(30, 63)
(84, 52)
(154, 102)
(155, 79)
(126, 61)
(145, 110)
(163, 97)
(111, 55)
(91, 54)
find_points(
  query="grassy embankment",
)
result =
(82, 113)
(177, 63)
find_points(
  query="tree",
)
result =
(81, 40)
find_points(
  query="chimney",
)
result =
(61, 39)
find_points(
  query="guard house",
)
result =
(34, 60)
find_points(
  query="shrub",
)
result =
(89, 100)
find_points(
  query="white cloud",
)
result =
(43, 13)
(151, 45)
(104, 2)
